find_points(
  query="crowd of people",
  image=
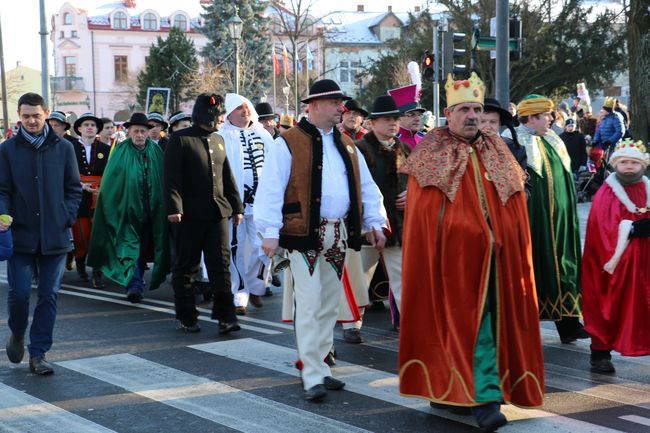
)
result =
(473, 226)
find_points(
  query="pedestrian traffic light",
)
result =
(515, 35)
(450, 53)
(427, 66)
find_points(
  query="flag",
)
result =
(285, 56)
(276, 63)
(299, 64)
(310, 58)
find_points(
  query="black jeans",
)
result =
(211, 238)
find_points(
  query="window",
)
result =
(149, 21)
(67, 18)
(121, 68)
(180, 21)
(73, 34)
(70, 64)
(119, 20)
(348, 71)
(61, 34)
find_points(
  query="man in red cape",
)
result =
(470, 329)
(616, 261)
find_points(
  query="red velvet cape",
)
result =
(616, 307)
(446, 260)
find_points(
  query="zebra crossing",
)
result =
(231, 402)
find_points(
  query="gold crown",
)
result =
(609, 102)
(471, 90)
(628, 142)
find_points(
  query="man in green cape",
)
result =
(553, 219)
(130, 225)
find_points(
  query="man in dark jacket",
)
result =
(201, 195)
(40, 189)
(576, 145)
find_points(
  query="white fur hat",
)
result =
(234, 100)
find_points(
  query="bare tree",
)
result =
(638, 40)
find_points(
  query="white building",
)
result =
(98, 52)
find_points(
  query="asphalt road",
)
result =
(126, 368)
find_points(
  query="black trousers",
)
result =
(211, 238)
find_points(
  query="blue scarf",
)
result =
(35, 140)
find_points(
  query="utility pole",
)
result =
(436, 76)
(5, 115)
(45, 74)
(295, 76)
(503, 54)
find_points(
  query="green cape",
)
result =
(117, 224)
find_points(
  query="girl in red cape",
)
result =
(616, 261)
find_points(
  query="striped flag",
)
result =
(310, 58)
(285, 56)
(276, 63)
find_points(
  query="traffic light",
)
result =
(427, 66)
(450, 53)
(515, 34)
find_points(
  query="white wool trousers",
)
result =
(317, 292)
(245, 262)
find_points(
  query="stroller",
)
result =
(593, 175)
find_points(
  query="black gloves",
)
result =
(640, 228)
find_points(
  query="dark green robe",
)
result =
(117, 225)
(555, 234)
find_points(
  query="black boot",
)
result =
(81, 269)
(601, 361)
(98, 279)
(570, 329)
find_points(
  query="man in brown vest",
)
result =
(316, 198)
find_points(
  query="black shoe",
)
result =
(456, 410)
(602, 365)
(256, 301)
(275, 280)
(134, 297)
(15, 349)
(352, 335)
(268, 292)
(38, 365)
(98, 280)
(228, 327)
(240, 311)
(489, 418)
(377, 306)
(83, 275)
(69, 262)
(330, 359)
(191, 329)
(580, 334)
(315, 393)
(333, 384)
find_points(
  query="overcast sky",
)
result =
(21, 24)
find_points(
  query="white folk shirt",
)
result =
(335, 196)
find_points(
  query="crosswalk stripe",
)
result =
(385, 386)
(21, 412)
(636, 419)
(202, 397)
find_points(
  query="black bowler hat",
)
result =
(88, 116)
(384, 106)
(138, 119)
(61, 117)
(353, 105)
(264, 111)
(325, 89)
(491, 105)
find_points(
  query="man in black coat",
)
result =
(201, 196)
(40, 189)
(576, 145)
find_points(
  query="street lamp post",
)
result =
(234, 28)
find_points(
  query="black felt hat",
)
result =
(138, 119)
(264, 110)
(88, 116)
(384, 106)
(325, 89)
(492, 105)
(207, 108)
(353, 105)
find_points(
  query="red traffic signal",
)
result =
(428, 61)
(427, 66)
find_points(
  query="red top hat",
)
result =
(406, 98)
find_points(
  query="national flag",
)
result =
(285, 56)
(276, 63)
(310, 58)
(299, 64)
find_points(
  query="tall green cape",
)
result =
(555, 234)
(117, 224)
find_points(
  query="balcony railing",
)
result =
(63, 84)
